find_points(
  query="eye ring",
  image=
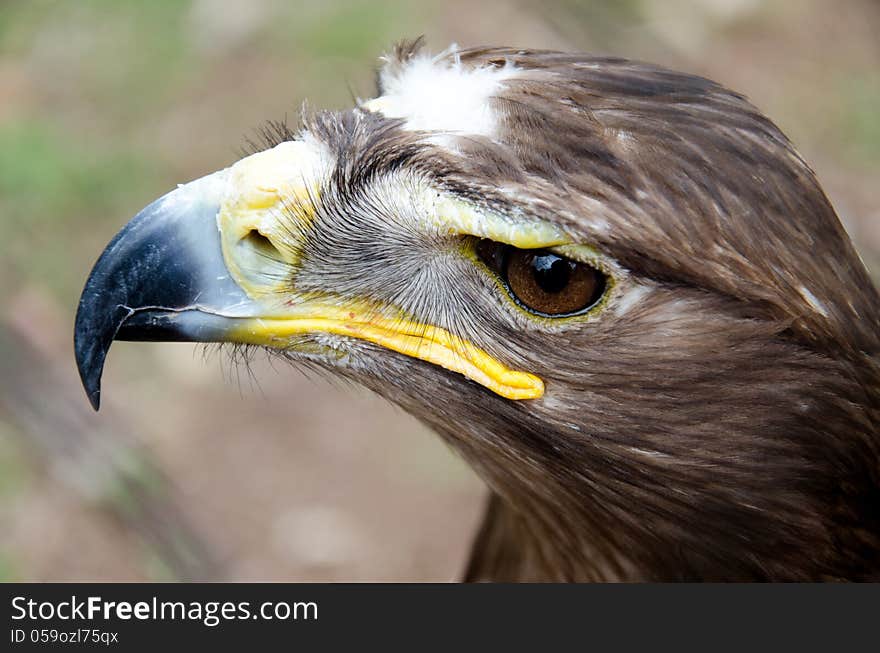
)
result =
(542, 282)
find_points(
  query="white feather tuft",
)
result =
(440, 94)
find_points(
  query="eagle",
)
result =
(616, 290)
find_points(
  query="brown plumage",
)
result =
(734, 439)
(718, 419)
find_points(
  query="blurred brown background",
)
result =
(195, 469)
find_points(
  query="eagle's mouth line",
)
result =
(425, 342)
(210, 262)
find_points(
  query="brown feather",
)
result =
(727, 426)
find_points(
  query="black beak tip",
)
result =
(91, 365)
(93, 392)
(95, 398)
(91, 340)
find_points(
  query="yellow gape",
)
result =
(258, 236)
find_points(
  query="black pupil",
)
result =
(551, 272)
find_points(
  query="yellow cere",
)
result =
(259, 189)
(427, 343)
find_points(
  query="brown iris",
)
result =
(543, 282)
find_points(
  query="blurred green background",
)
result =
(197, 470)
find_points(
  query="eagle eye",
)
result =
(543, 282)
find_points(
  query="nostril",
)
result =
(258, 244)
(259, 262)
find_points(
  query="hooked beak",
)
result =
(162, 278)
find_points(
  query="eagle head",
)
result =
(616, 290)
